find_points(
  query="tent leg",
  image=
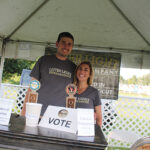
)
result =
(2, 61)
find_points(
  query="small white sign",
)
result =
(5, 110)
(24, 50)
(85, 122)
(60, 118)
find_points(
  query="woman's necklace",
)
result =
(81, 89)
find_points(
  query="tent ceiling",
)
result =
(118, 24)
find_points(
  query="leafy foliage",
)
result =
(144, 80)
(16, 65)
(13, 69)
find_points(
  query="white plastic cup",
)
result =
(33, 111)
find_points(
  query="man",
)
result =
(54, 72)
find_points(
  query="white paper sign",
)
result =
(5, 110)
(24, 50)
(60, 118)
(85, 121)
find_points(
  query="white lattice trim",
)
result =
(124, 114)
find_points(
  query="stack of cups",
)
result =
(33, 111)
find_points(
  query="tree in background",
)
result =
(13, 69)
(122, 80)
(144, 80)
(133, 80)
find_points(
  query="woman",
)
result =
(87, 96)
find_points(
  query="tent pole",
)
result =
(2, 60)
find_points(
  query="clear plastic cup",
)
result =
(33, 111)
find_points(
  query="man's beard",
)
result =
(63, 55)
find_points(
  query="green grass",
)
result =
(117, 148)
(121, 93)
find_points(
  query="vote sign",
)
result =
(60, 118)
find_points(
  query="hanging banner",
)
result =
(106, 69)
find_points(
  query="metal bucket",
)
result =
(141, 144)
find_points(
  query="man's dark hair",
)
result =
(65, 34)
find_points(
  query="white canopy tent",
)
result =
(119, 26)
